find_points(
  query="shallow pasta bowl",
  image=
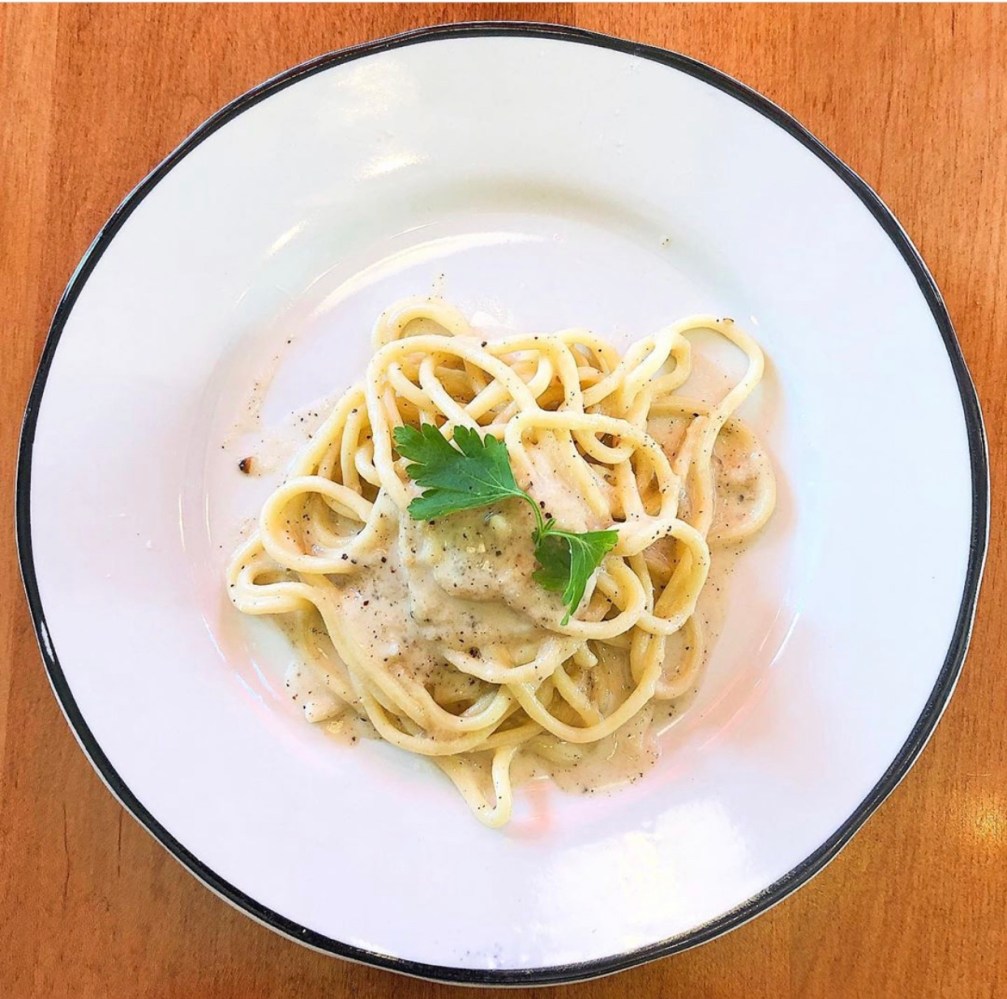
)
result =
(540, 177)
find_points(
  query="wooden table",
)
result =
(914, 98)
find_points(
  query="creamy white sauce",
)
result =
(461, 583)
(464, 582)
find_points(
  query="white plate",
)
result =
(553, 177)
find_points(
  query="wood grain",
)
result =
(914, 98)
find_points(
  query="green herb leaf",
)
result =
(567, 561)
(473, 473)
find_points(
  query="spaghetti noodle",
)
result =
(435, 631)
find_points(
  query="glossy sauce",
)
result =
(464, 582)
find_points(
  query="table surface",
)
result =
(913, 98)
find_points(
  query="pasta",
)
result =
(436, 632)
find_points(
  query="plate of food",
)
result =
(502, 503)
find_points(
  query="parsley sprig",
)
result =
(474, 472)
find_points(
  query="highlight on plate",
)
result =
(491, 551)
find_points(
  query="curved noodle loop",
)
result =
(436, 633)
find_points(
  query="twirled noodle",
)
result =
(435, 632)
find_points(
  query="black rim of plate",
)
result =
(900, 765)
